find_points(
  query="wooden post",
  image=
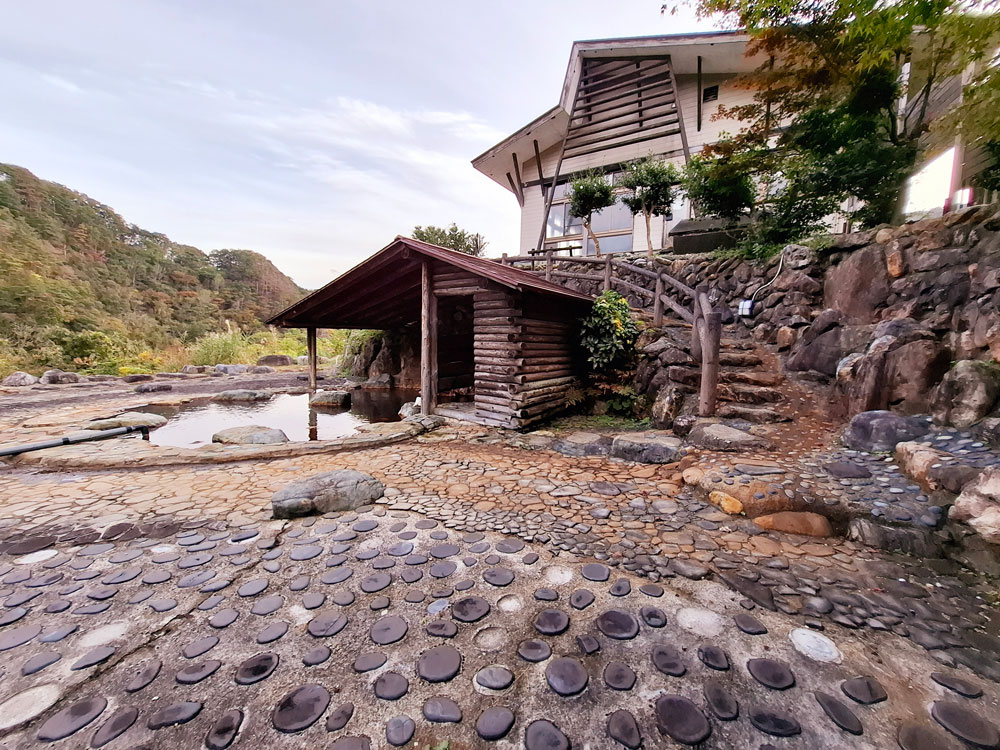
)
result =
(710, 364)
(428, 341)
(548, 264)
(503, 259)
(658, 302)
(607, 273)
(698, 324)
(311, 350)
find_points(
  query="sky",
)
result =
(311, 131)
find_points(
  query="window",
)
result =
(710, 94)
(613, 243)
(564, 231)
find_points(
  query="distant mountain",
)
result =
(74, 275)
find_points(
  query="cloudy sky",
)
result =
(311, 130)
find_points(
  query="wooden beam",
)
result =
(641, 138)
(538, 165)
(428, 341)
(680, 114)
(515, 190)
(517, 177)
(700, 94)
(312, 356)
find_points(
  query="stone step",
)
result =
(755, 414)
(692, 376)
(749, 394)
(739, 359)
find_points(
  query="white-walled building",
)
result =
(621, 99)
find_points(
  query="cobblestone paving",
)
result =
(385, 628)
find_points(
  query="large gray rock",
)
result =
(128, 419)
(968, 393)
(252, 434)
(194, 369)
(19, 379)
(344, 489)
(59, 377)
(275, 360)
(260, 370)
(650, 447)
(340, 399)
(152, 387)
(721, 437)
(409, 409)
(583, 444)
(881, 431)
(979, 505)
(667, 405)
(859, 284)
(231, 369)
(241, 395)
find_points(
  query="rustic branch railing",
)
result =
(706, 322)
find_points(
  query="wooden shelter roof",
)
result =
(383, 291)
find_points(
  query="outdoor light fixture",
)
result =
(748, 307)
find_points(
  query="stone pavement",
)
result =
(386, 628)
(121, 569)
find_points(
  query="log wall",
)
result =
(524, 356)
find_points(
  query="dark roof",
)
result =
(384, 290)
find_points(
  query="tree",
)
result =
(589, 194)
(652, 185)
(719, 181)
(452, 238)
(827, 96)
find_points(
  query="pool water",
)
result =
(194, 424)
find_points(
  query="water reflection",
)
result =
(194, 423)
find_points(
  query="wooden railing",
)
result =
(706, 322)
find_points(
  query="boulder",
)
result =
(933, 469)
(979, 505)
(666, 406)
(127, 419)
(805, 523)
(333, 491)
(731, 505)
(721, 437)
(231, 369)
(822, 352)
(59, 377)
(261, 370)
(152, 387)
(252, 434)
(137, 378)
(859, 284)
(194, 369)
(968, 393)
(302, 359)
(341, 399)
(275, 360)
(241, 395)
(19, 379)
(649, 447)
(583, 444)
(409, 409)
(882, 431)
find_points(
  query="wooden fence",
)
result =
(691, 305)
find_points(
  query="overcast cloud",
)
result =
(313, 132)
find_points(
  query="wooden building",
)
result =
(505, 333)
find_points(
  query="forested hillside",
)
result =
(79, 285)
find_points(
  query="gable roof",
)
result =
(384, 290)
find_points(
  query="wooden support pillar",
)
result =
(311, 350)
(658, 302)
(548, 264)
(710, 364)
(428, 341)
(607, 273)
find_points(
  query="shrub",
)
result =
(609, 333)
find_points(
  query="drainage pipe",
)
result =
(73, 440)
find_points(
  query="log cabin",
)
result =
(504, 335)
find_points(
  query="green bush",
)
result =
(609, 332)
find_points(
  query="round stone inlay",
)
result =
(542, 734)
(300, 708)
(72, 719)
(494, 723)
(965, 724)
(566, 676)
(617, 624)
(495, 677)
(439, 664)
(388, 630)
(679, 718)
(619, 676)
(771, 673)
